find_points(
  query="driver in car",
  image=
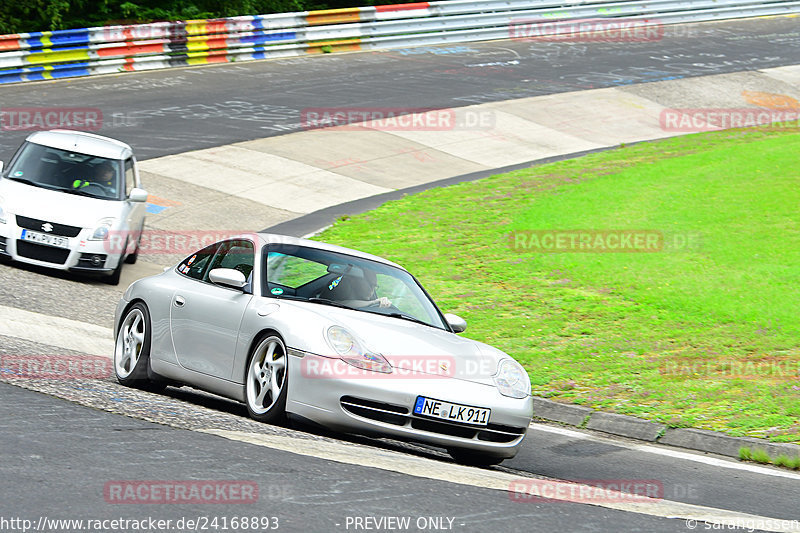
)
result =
(357, 291)
(103, 176)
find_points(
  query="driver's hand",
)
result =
(383, 301)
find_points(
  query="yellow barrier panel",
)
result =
(333, 16)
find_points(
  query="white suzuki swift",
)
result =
(73, 201)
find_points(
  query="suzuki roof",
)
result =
(85, 143)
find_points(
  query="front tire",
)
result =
(132, 347)
(266, 381)
(131, 259)
(113, 279)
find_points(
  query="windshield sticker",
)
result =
(277, 291)
(191, 260)
(18, 173)
(334, 283)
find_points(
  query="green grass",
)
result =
(703, 335)
(745, 454)
(761, 456)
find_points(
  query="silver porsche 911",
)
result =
(322, 334)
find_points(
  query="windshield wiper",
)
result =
(329, 302)
(407, 317)
(75, 191)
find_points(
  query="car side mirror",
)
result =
(137, 195)
(227, 277)
(456, 323)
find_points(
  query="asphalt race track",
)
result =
(173, 111)
(60, 456)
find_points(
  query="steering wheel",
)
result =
(102, 187)
(376, 304)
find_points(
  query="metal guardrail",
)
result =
(111, 49)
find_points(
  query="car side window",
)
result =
(236, 254)
(195, 265)
(130, 179)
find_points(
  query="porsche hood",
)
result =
(409, 346)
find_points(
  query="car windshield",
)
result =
(62, 170)
(329, 278)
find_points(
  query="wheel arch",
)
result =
(128, 308)
(125, 312)
(254, 342)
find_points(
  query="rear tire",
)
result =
(266, 380)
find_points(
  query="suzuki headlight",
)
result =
(512, 380)
(351, 351)
(102, 229)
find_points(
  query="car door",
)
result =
(204, 317)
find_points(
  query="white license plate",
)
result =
(43, 238)
(453, 412)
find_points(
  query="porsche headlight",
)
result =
(101, 231)
(512, 380)
(351, 351)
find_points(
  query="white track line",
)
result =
(56, 331)
(392, 461)
(668, 452)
